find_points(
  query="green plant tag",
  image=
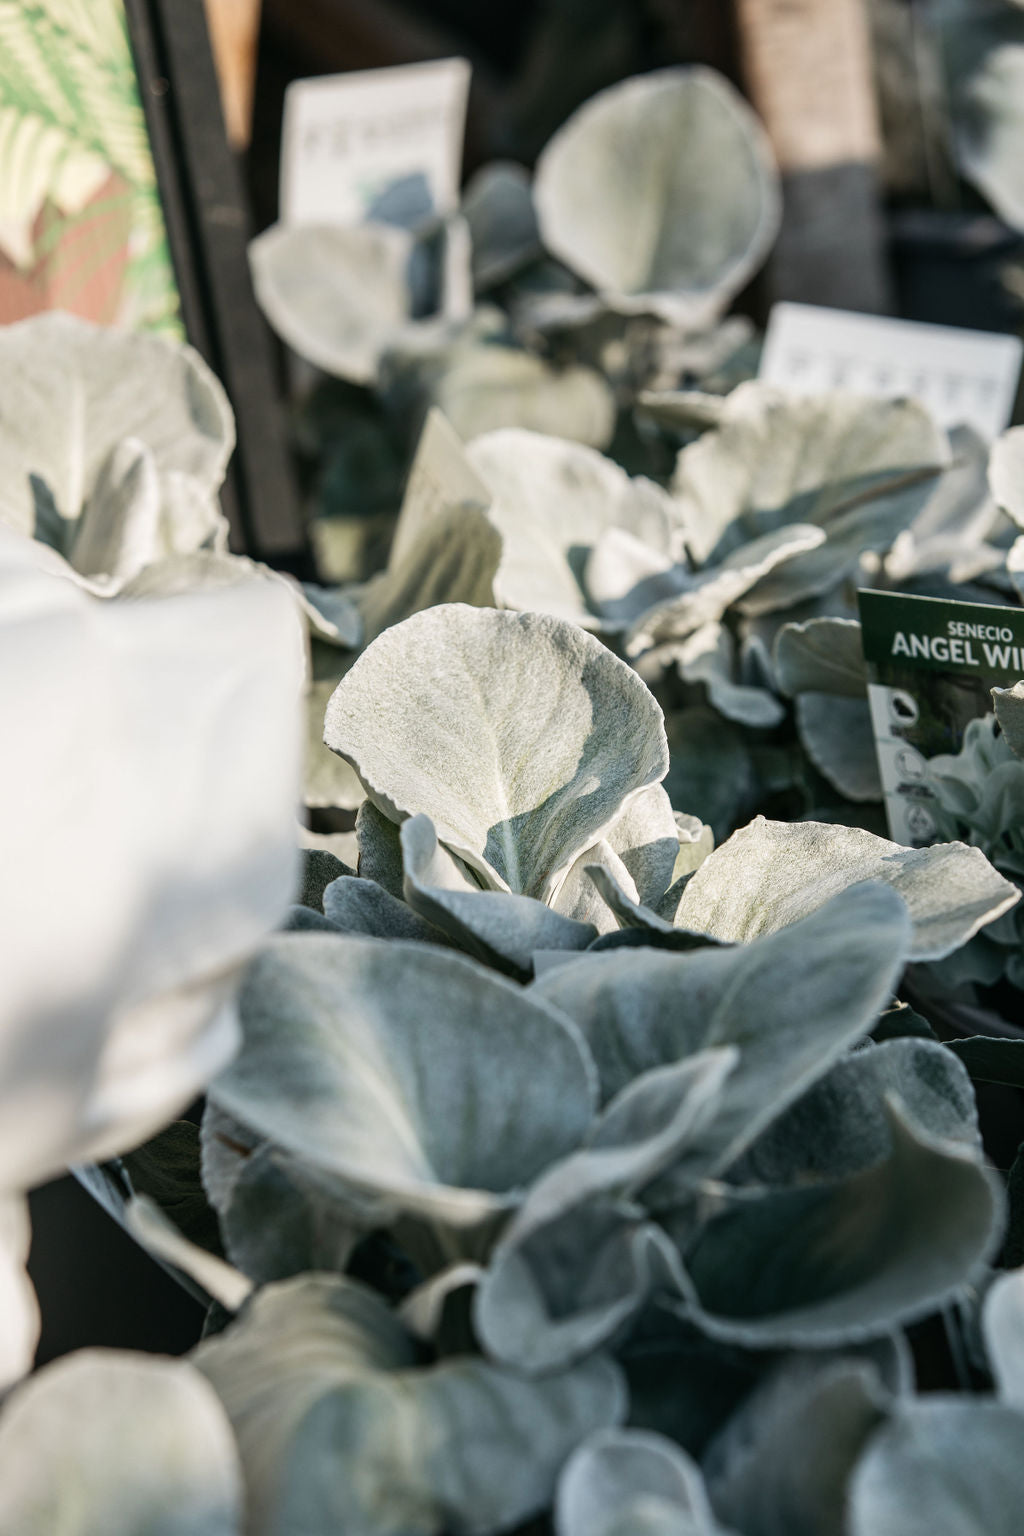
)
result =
(931, 665)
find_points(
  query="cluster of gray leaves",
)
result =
(571, 1169)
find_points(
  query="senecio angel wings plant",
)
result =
(542, 304)
(573, 1174)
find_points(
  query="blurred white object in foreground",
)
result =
(148, 784)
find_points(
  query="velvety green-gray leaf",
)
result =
(848, 1259)
(341, 1430)
(497, 927)
(942, 1466)
(630, 1480)
(453, 713)
(406, 1071)
(781, 1465)
(119, 1443)
(663, 185)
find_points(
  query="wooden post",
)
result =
(807, 68)
(234, 27)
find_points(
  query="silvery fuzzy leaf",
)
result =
(406, 1072)
(190, 516)
(983, 59)
(841, 1126)
(847, 1259)
(225, 1146)
(639, 924)
(629, 912)
(341, 1429)
(380, 850)
(696, 841)
(790, 1017)
(19, 1309)
(281, 1221)
(769, 873)
(662, 193)
(441, 477)
(1008, 704)
(117, 533)
(216, 1280)
(363, 907)
(454, 559)
(711, 772)
(319, 868)
(630, 1480)
(1015, 566)
(781, 1465)
(329, 783)
(838, 737)
(961, 504)
(625, 577)
(1003, 1325)
(338, 296)
(333, 615)
(857, 467)
(584, 899)
(104, 1440)
(71, 391)
(821, 656)
(487, 387)
(709, 656)
(497, 927)
(684, 411)
(576, 1261)
(433, 1309)
(497, 204)
(707, 596)
(941, 1466)
(544, 557)
(1006, 473)
(475, 692)
(645, 836)
(150, 700)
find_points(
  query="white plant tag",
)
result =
(347, 138)
(967, 377)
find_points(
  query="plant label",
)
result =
(931, 665)
(963, 377)
(378, 143)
